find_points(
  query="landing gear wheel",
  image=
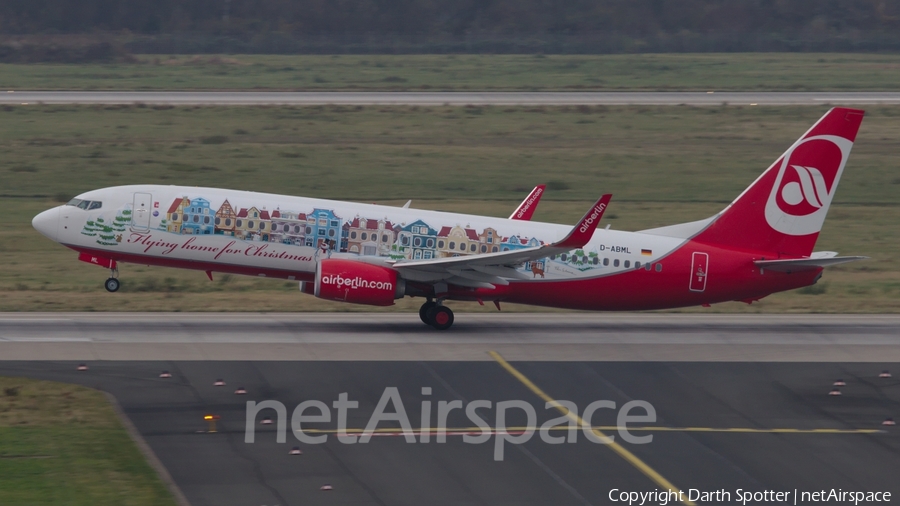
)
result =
(112, 285)
(423, 311)
(440, 317)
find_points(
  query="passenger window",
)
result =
(647, 266)
(627, 263)
(637, 265)
(658, 267)
(605, 261)
(95, 205)
(616, 262)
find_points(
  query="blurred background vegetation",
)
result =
(108, 30)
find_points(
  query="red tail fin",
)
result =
(783, 210)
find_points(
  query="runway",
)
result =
(14, 97)
(749, 426)
(402, 337)
(739, 401)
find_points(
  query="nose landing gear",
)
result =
(112, 284)
(437, 315)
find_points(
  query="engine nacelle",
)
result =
(355, 282)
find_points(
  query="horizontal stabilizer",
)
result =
(804, 264)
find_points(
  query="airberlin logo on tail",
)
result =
(355, 283)
(811, 188)
(808, 175)
(598, 210)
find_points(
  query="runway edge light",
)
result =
(211, 419)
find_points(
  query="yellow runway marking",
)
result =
(479, 430)
(619, 449)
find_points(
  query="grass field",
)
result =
(728, 71)
(663, 165)
(62, 444)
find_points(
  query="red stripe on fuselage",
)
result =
(731, 276)
(196, 265)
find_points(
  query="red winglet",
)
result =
(526, 208)
(584, 230)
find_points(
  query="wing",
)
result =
(815, 261)
(491, 269)
(527, 207)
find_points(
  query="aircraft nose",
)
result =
(47, 223)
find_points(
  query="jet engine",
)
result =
(355, 282)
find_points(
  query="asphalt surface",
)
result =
(221, 469)
(449, 98)
(401, 336)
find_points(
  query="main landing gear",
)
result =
(112, 284)
(436, 315)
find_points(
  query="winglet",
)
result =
(584, 230)
(527, 207)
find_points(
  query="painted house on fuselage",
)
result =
(417, 240)
(370, 236)
(197, 218)
(288, 228)
(323, 226)
(245, 223)
(175, 213)
(456, 241)
(225, 218)
(515, 242)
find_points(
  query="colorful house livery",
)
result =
(225, 217)
(175, 213)
(197, 218)
(323, 229)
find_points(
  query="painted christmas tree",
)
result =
(122, 219)
(106, 235)
(91, 228)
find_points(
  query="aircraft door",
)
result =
(140, 212)
(699, 271)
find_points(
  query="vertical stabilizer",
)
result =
(783, 210)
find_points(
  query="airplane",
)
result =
(760, 244)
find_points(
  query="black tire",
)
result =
(440, 317)
(112, 285)
(423, 311)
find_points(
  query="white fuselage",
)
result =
(277, 234)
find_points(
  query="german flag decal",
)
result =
(647, 252)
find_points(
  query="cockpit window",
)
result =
(87, 205)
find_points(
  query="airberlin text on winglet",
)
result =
(598, 211)
(583, 231)
(530, 201)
